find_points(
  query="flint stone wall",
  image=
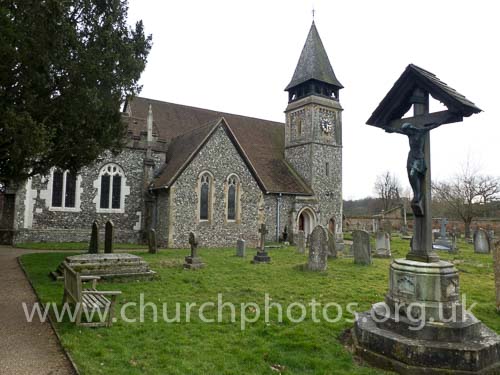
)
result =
(35, 221)
(220, 158)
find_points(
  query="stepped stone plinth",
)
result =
(423, 327)
(116, 266)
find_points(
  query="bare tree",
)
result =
(388, 188)
(467, 194)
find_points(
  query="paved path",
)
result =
(25, 348)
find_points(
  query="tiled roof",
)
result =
(260, 142)
(313, 63)
(396, 103)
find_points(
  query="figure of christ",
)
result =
(415, 165)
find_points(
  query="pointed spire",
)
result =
(314, 63)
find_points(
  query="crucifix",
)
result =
(414, 88)
(418, 168)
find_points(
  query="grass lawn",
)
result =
(223, 348)
(72, 246)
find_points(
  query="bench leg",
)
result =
(79, 311)
(111, 311)
(65, 296)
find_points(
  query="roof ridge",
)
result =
(215, 112)
(207, 124)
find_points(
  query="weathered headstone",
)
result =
(454, 246)
(443, 242)
(193, 261)
(240, 247)
(318, 249)
(382, 245)
(496, 263)
(481, 242)
(152, 244)
(348, 251)
(332, 246)
(387, 227)
(262, 256)
(361, 247)
(301, 242)
(109, 233)
(285, 234)
(94, 238)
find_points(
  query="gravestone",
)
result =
(332, 246)
(481, 242)
(192, 261)
(382, 245)
(301, 242)
(361, 247)
(443, 242)
(496, 263)
(94, 238)
(109, 232)
(318, 249)
(262, 256)
(285, 234)
(454, 245)
(387, 227)
(240, 247)
(152, 244)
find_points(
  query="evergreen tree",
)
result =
(65, 68)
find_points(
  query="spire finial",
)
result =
(313, 12)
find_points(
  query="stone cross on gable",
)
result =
(193, 241)
(263, 231)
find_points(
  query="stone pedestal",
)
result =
(193, 263)
(261, 257)
(423, 328)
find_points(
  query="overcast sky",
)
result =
(238, 56)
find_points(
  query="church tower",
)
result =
(313, 132)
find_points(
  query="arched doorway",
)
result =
(306, 221)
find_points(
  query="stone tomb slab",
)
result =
(119, 266)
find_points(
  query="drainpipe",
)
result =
(278, 204)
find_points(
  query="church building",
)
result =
(191, 169)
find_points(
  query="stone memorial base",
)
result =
(117, 266)
(382, 253)
(261, 257)
(443, 244)
(422, 328)
(193, 263)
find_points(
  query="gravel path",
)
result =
(25, 348)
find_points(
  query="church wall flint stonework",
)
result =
(220, 158)
(218, 174)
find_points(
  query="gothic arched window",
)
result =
(110, 187)
(64, 190)
(205, 196)
(233, 198)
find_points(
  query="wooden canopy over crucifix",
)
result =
(413, 89)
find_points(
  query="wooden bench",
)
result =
(87, 299)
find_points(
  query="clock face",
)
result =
(326, 125)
